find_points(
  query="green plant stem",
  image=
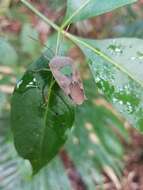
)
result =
(67, 22)
(74, 14)
(48, 21)
(58, 41)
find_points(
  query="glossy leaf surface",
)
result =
(102, 150)
(92, 8)
(41, 115)
(117, 67)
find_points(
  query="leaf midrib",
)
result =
(75, 13)
(77, 40)
(45, 115)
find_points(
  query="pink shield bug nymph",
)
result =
(68, 78)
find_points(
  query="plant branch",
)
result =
(58, 41)
(44, 18)
(67, 22)
(74, 14)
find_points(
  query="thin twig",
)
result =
(44, 18)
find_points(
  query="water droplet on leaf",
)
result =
(118, 49)
(140, 55)
(28, 81)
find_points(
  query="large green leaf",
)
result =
(91, 8)
(41, 115)
(101, 149)
(117, 67)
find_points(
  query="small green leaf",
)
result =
(41, 115)
(93, 8)
(117, 66)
